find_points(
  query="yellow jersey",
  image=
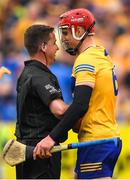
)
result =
(94, 66)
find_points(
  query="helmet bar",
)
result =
(74, 35)
(72, 51)
(85, 35)
(63, 27)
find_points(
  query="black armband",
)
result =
(76, 110)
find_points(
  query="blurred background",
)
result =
(113, 32)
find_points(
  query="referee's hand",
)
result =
(42, 149)
(4, 70)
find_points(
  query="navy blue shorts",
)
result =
(97, 161)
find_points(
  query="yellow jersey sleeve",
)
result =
(84, 70)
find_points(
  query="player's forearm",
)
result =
(68, 121)
(76, 110)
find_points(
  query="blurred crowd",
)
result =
(113, 32)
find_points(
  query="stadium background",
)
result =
(113, 32)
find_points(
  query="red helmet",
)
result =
(77, 17)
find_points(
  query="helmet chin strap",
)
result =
(73, 51)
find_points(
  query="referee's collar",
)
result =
(37, 64)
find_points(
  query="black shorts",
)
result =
(48, 168)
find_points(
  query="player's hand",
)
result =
(42, 149)
(4, 70)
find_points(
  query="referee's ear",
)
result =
(43, 47)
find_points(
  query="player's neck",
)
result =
(88, 42)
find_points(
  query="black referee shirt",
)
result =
(36, 88)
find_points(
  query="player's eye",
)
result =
(64, 33)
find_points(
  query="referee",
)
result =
(39, 102)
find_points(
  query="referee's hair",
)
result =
(35, 35)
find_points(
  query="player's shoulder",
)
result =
(92, 55)
(87, 57)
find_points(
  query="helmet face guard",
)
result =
(72, 19)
